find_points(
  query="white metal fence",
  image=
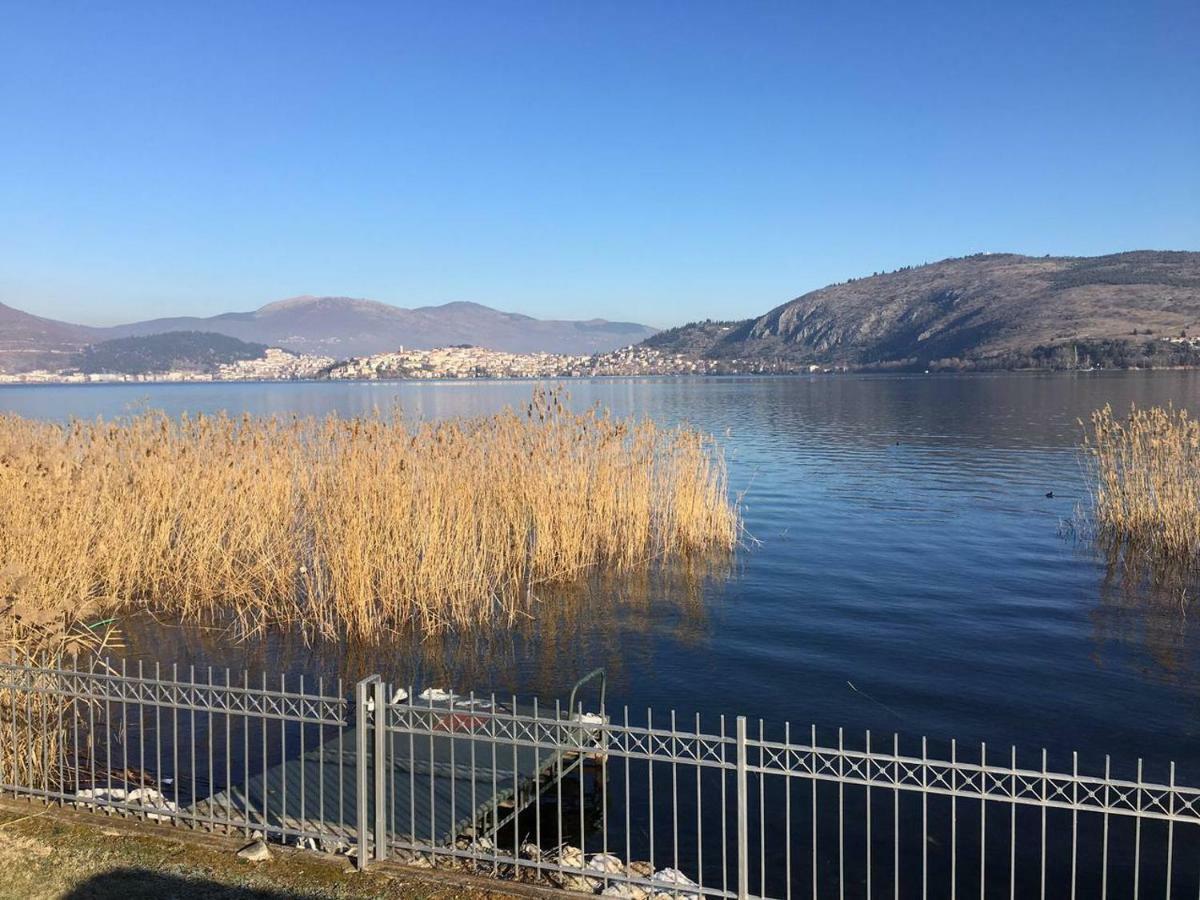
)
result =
(585, 798)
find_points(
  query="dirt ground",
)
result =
(53, 853)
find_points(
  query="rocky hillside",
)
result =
(983, 311)
(31, 342)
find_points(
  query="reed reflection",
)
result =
(620, 622)
(1144, 608)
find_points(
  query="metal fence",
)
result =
(580, 796)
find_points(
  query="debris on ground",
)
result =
(255, 851)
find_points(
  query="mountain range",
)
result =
(329, 326)
(996, 310)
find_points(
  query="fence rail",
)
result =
(176, 693)
(580, 796)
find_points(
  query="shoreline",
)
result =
(166, 380)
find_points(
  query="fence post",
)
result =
(364, 703)
(743, 814)
(380, 721)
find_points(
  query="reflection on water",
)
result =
(905, 545)
(601, 620)
(1148, 605)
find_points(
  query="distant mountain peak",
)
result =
(462, 305)
(286, 303)
(332, 326)
(309, 301)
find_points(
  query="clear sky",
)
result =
(659, 162)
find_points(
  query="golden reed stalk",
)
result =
(1146, 483)
(36, 749)
(347, 527)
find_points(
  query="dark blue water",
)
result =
(904, 569)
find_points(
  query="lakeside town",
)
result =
(465, 362)
(458, 362)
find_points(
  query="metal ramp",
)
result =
(447, 781)
(447, 778)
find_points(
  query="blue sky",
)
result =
(659, 162)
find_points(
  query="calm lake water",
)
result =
(907, 571)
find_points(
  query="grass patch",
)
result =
(54, 853)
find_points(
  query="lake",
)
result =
(904, 569)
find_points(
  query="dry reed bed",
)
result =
(1146, 483)
(36, 749)
(347, 526)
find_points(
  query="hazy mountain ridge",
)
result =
(333, 326)
(988, 310)
(31, 342)
(346, 326)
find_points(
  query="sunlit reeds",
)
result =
(38, 721)
(347, 527)
(1146, 485)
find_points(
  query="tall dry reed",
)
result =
(1146, 483)
(347, 526)
(41, 740)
